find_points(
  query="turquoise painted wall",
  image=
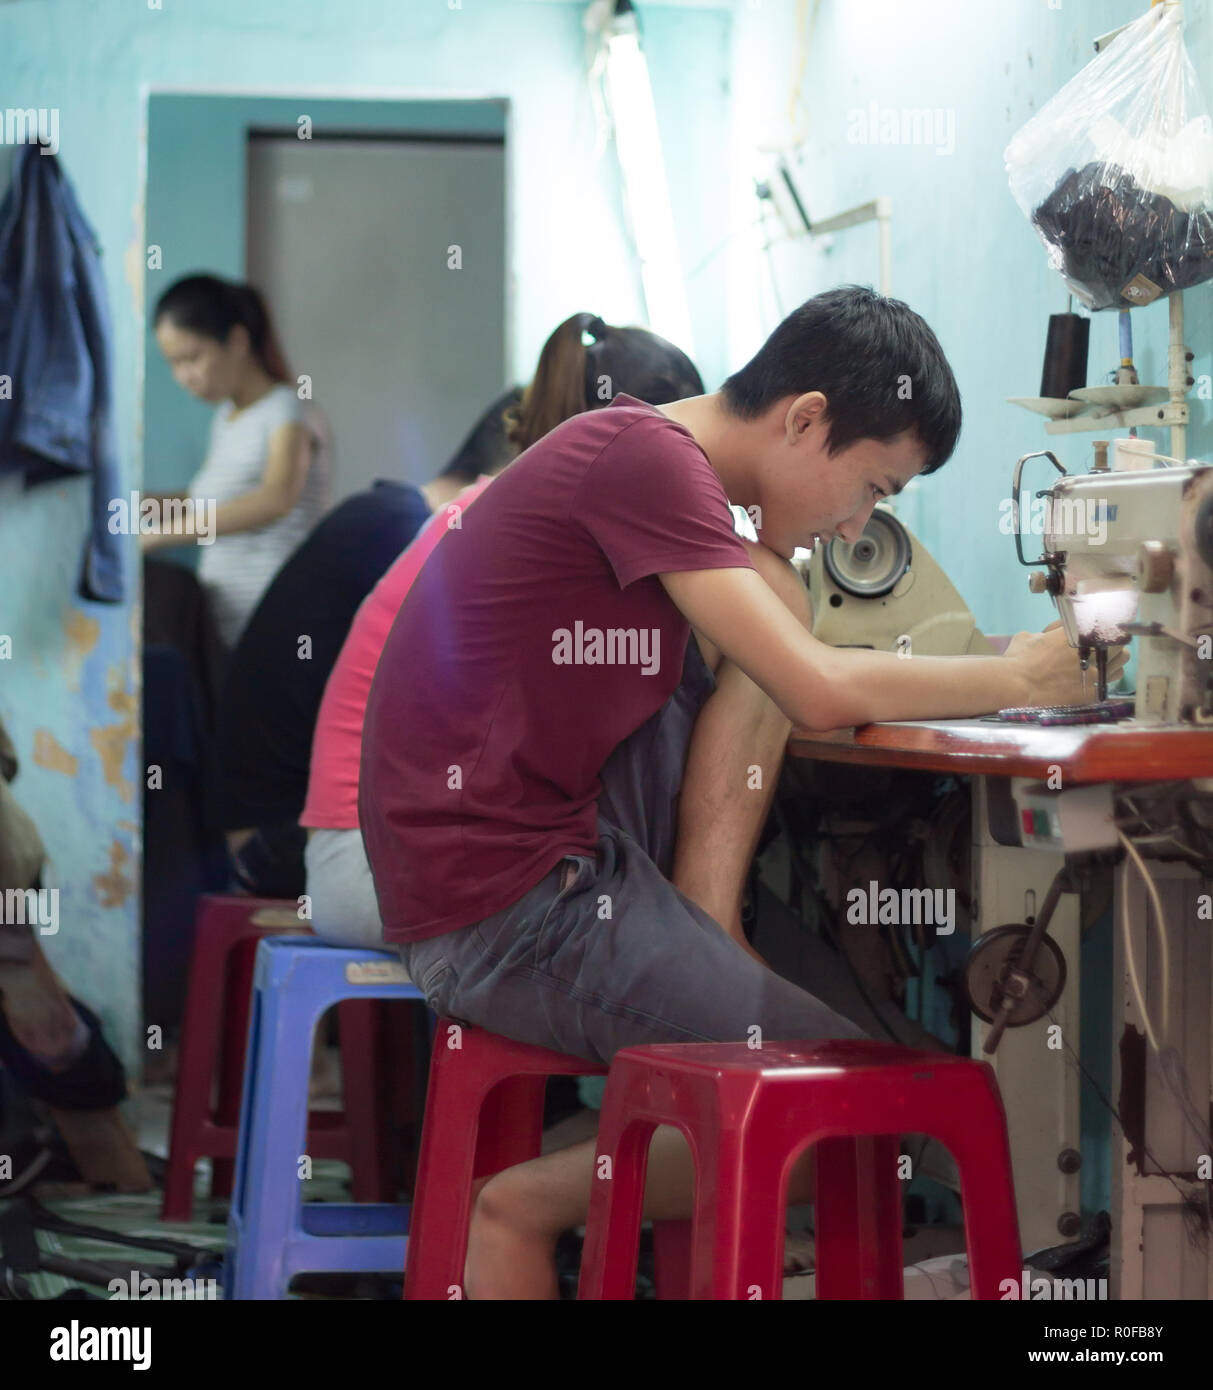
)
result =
(967, 259)
(69, 699)
(963, 255)
(70, 693)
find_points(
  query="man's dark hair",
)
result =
(486, 449)
(874, 359)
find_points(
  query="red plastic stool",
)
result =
(214, 1035)
(748, 1114)
(483, 1113)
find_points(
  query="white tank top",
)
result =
(236, 570)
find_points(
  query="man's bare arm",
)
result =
(820, 687)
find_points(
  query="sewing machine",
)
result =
(1130, 554)
(1125, 553)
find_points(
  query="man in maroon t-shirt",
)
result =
(577, 722)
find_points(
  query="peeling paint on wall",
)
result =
(113, 888)
(82, 633)
(112, 740)
(132, 261)
(50, 753)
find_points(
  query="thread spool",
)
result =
(1065, 368)
(1129, 455)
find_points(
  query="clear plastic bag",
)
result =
(1116, 171)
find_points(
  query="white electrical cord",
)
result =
(1148, 879)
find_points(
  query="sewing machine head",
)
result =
(1130, 553)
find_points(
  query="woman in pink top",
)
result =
(583, 365)
(344, 910)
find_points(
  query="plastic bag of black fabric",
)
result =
(1116, 171)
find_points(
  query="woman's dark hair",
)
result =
(874, 359)
(212, 307)
(573, 376)
(486, 449)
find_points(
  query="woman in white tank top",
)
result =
(266, 478)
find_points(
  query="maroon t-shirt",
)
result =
(536, 638)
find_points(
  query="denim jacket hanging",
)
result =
(55, 351)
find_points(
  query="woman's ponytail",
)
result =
(557, 389)
(255, 316)
(573, 376)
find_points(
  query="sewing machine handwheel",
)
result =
(996, 952)
(873, 565)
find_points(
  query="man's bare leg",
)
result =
(733, 763)
(520, 1213)
(731, 774)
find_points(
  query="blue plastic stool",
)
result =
(272, 1234)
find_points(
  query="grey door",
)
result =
(350, 241)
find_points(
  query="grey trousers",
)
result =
(605, 952)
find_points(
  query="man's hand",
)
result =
(1050, 666)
